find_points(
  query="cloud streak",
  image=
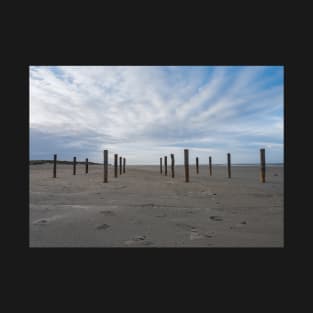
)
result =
(147, 112)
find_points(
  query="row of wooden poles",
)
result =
(105, 165)
(186, 164)
(122, 166)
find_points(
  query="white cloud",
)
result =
(145, 112)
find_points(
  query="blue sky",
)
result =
(145, 112)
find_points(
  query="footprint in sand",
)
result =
(239, 225)
(194, 234)
(103, 226)
(108, 213)
(208, 193)
(150, 205)
(40, 222)
(216, 218)
(161, 215)
(139, 238)
(47, 220)
(185, 226)
(136, 239)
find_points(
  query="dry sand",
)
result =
(141, 208)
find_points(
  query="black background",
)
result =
(241, 278)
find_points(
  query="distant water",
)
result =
(216, 164)
(253, 164)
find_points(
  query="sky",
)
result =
(146, 112)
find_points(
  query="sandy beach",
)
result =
(141, 208)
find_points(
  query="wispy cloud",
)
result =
(147, 112)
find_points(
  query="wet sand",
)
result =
(141, 208)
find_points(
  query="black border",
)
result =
(77, 264)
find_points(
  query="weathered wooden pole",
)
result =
(165, 165)
(210, 165)
(54, 166)
(161, 166)
(86, 169)
(74, 166)
(115, 165)
(120, 165)
(105, 166)
(186, 153)
(262, 161)
(172, 165)
(124, 165)
(228, 165)
(197, 165)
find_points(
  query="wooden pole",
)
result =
(105, 166)
(262, 161)
(120, 165)
(124, 165)
(74, 166)
(197, 165)
(186, 154)
(165, 165)
(54, 166)
(228, 165)
(86, 169)
(210, 165)
(161, 166)
(172, 165)
(115, 165)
